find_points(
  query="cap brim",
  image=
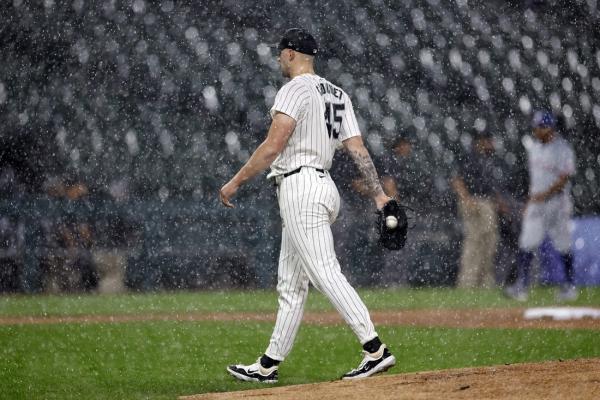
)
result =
(273, 46)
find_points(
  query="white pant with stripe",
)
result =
(309, 203)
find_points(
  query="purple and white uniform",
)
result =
(547, 163)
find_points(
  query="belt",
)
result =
(277, 179)
(298, 170)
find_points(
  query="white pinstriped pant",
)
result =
(309, 203)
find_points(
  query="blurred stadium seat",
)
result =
(169, 97)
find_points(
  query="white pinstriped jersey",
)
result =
(309, 203)
(324, 117)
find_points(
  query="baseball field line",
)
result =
(448, 318)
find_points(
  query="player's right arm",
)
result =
(460, 188)
(566, 162)
(280, 131)
(288, 108)
(554, 189)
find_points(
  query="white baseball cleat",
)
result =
(516, 292)
(372, 363)
(567, 293)
(254, 373)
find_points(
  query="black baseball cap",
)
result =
(299, 40)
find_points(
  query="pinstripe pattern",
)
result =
(309, 203)
(311, 145)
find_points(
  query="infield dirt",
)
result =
(573, 379)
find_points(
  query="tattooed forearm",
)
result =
(363, 161)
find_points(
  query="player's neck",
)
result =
(549, 139)
(302, 69)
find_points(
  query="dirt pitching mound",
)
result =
(574, 379)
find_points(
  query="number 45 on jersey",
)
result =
(333, 118)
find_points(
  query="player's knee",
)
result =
(528, 246)
(530, 241)
(562, 247)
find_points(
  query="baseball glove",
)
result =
(392, 237)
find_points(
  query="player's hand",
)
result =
(227, 192)
(469, 202)
(537, 198)
(381, 200)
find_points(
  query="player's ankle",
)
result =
(268, 362)
(372, 345)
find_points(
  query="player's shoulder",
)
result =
(561, 142)
(326, 81)
(291, 84)
(325, 86)
(297, 85)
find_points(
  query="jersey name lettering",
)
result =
(326, 88)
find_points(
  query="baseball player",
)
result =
(310, 117)
(549, 208)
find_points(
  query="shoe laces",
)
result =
(362, 363)
(370, 356)
(263, 370)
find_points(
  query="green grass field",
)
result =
(165, 359)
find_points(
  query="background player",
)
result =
(477, 187)
(310, 118)
(550, 207)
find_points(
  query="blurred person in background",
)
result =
(12, 232)
(549, 209)
(355, 235)
(476, 188)
(69, 264)
(11, 247)
(406, 177)
(510, 210)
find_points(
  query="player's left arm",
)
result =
(361, 157)
(355, 147)
(279, 133)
